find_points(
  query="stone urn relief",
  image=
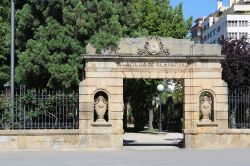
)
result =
(206, 107)
(100, 108)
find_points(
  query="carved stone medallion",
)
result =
(153, 46)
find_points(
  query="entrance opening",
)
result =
(153, 115)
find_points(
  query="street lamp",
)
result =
(12, 56)
(160, 89)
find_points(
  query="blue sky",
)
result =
(197, 8)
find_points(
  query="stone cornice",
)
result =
(133, 57)
(48, 132)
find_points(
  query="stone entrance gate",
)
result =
(154, 58)
(101, 97)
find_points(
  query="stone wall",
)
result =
(212, 138)
(13, 140)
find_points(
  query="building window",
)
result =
(240, 23)
(233, 35)
(210, 34)
(205, 38)
(206, 27)
(243, 23)
(222, 37)
(241, 34)
(214, 32)
(232, 23)
(218, 29)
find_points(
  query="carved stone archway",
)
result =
(154, 58)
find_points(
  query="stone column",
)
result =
(107, 135)
(205, 77)
(151, 118)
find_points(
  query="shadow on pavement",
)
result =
(134, 143)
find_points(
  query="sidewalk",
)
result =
(142, 141)
(173, 157)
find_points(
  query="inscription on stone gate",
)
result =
(153, 64)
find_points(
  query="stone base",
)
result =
(59, 140)
(232, 138)
(101, 124)
(205, 124)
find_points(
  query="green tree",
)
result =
(4, 41)
(236, 66)
(49, 43)
(178, 91)
(139, 94)
(157, 18)
(107, 23)
(52, 35)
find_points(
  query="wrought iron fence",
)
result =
(39, 109)
(238, 107)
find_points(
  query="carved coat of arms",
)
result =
(153, 46)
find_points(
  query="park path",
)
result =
(142, 141)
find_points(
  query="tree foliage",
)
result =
(4, 41)
(159, 18)
(139, 93)
(52, 35)
(236, 66)
(50, 43)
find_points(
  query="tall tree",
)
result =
(4, 41)
(159, 18)
(49, 43)
(51, 36)
(236, 66)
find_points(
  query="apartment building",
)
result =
(197, 31)
(227, 22)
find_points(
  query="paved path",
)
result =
(152, 141)
(173, 157)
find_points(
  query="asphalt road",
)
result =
(130, 157)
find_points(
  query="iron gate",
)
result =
(238, 108)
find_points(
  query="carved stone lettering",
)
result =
(153, 64)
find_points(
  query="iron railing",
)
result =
(238, 108)
(39, 109)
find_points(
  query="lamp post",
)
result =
(160, 89)
(12, 56)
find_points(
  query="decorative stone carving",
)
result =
(206, 104)
(100, 106)
(153, 46)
